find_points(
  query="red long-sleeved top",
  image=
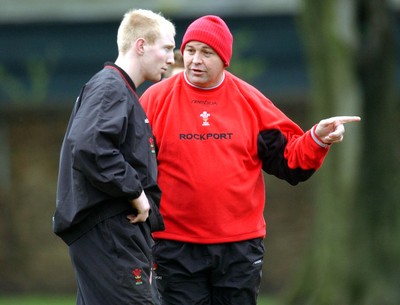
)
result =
(211, 148)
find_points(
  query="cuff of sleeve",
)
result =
(317, 139)
(135, 195)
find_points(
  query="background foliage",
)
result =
(333, 239)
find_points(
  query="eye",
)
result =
(208, 52)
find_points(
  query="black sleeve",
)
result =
(271, 147)
(96, 136)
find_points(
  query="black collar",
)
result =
(123, 74)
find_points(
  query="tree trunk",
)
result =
(377, 221)
(350, 51)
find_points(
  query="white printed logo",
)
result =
(205, 115)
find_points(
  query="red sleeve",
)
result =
(285, 149)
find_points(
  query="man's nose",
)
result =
(197, 57)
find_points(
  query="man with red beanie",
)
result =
(215, 134)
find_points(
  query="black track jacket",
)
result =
(107, 157)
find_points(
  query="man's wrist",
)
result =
(317, 139)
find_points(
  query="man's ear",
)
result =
(139, 46)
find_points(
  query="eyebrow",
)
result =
(203, 48)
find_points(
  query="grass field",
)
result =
(37, 300)
(70, 300)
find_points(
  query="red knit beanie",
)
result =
(213, 31)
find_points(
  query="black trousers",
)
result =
(112, 264)
(210, 274)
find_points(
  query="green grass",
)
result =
(70, 300)
(37, 300)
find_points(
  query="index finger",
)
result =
(347, 119)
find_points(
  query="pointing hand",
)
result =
(332, 130)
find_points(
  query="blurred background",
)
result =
(332, 240)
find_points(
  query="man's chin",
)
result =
(156, 79)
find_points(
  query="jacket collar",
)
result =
(123, 74)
